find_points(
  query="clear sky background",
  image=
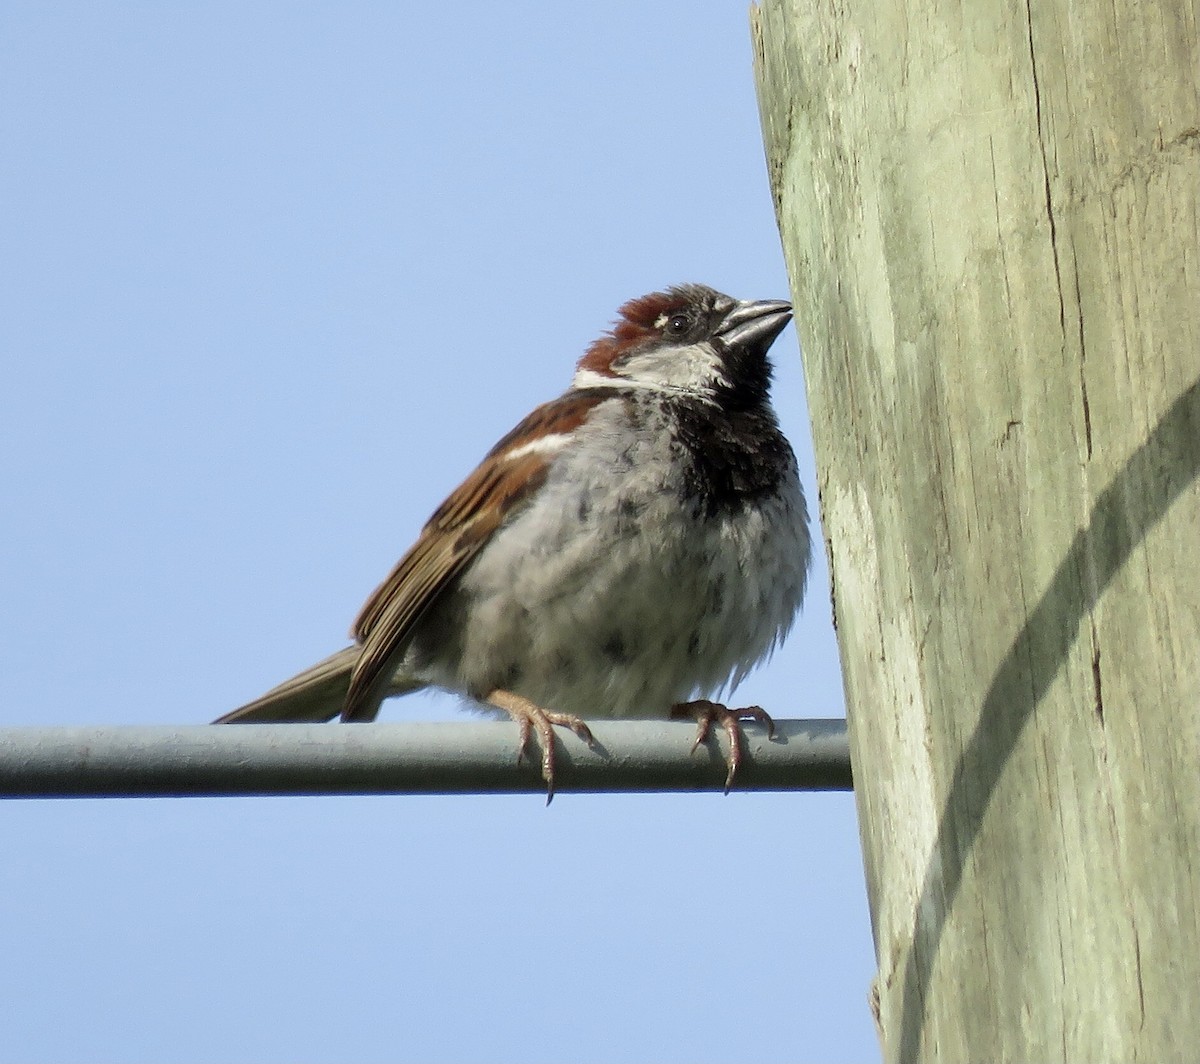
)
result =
(274, 277)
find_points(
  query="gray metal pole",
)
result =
(411, 758)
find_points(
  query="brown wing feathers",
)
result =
(455, 533)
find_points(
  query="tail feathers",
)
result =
(312, 696)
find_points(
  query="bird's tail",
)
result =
(314, 695)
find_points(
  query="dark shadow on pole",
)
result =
(1124, 513)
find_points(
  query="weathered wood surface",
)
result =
(989, 213)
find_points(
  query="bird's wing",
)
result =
(503, 483)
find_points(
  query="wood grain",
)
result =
(990, 217)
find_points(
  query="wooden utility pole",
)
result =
(990, 215)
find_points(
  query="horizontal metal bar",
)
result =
(407, 758)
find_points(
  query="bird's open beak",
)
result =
(755, 323)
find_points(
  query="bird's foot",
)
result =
(530, 717)
(706, 713)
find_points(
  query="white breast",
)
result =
(609, 596)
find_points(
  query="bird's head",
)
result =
(691, 342)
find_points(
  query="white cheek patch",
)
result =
(696, 369)
(589, 378)
(550, 444)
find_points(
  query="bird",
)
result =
(631, 549)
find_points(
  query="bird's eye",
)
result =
(677, 324)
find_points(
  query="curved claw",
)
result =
(759, 716)
(705, 713)
(529, 716)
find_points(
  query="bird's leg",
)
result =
(530, 717)
(705, 713)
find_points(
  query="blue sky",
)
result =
(274, 278)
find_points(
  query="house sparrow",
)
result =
(640, 541)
